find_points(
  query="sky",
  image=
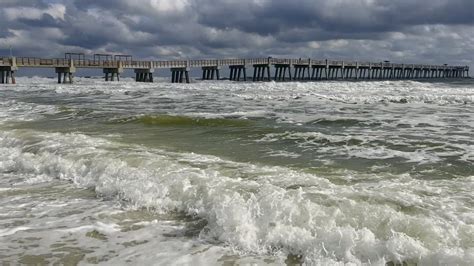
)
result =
(402, 31)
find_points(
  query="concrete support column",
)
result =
(211, 72)
(260, 71)
(8, 77)
(180, 75)
(65, 74)
(7, 73)
(317, 73)
(268, 72)
(12, 77)
(112, 73)
(280, 72)
(289, 72)
(301, 72)
(236, 72)
(297, 72)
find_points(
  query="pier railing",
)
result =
(304, 68)
(90, 63)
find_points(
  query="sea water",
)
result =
(224, 173)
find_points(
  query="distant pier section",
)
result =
(262, 69)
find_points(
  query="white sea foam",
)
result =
(20, 111)
(11, 231)
(396, 219)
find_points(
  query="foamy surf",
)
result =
(263, 173)
(282, 211)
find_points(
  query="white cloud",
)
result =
(56, 11)
(169, 5)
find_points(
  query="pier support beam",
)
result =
(261, 72)
(237, 72)
(317, 72)
(144, 74)
(180, 75)
(7, 73)
(65, 74)
(7, 76)
(112, 73)
(210, 72)
(281, 70)
(301, 72)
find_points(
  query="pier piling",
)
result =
(237, 72)
(261, 72)
(210, 72)
(180, 75)
(144, 74)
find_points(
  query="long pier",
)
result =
(264, 69)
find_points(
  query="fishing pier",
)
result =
(262, 69)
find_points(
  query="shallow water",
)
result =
(217, 173)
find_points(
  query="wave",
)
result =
(252, 208)
(177, 120)
(387, 92)
(342, 122)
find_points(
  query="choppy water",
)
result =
(216, 173)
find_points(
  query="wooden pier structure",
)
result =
(283, 69)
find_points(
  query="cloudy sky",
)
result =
(410, 31)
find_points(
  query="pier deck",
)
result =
(303, 69)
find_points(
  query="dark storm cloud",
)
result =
(403, 30)
(44, 21)
(340, 16)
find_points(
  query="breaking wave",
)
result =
(258, 209)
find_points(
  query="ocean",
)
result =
(237, 173)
